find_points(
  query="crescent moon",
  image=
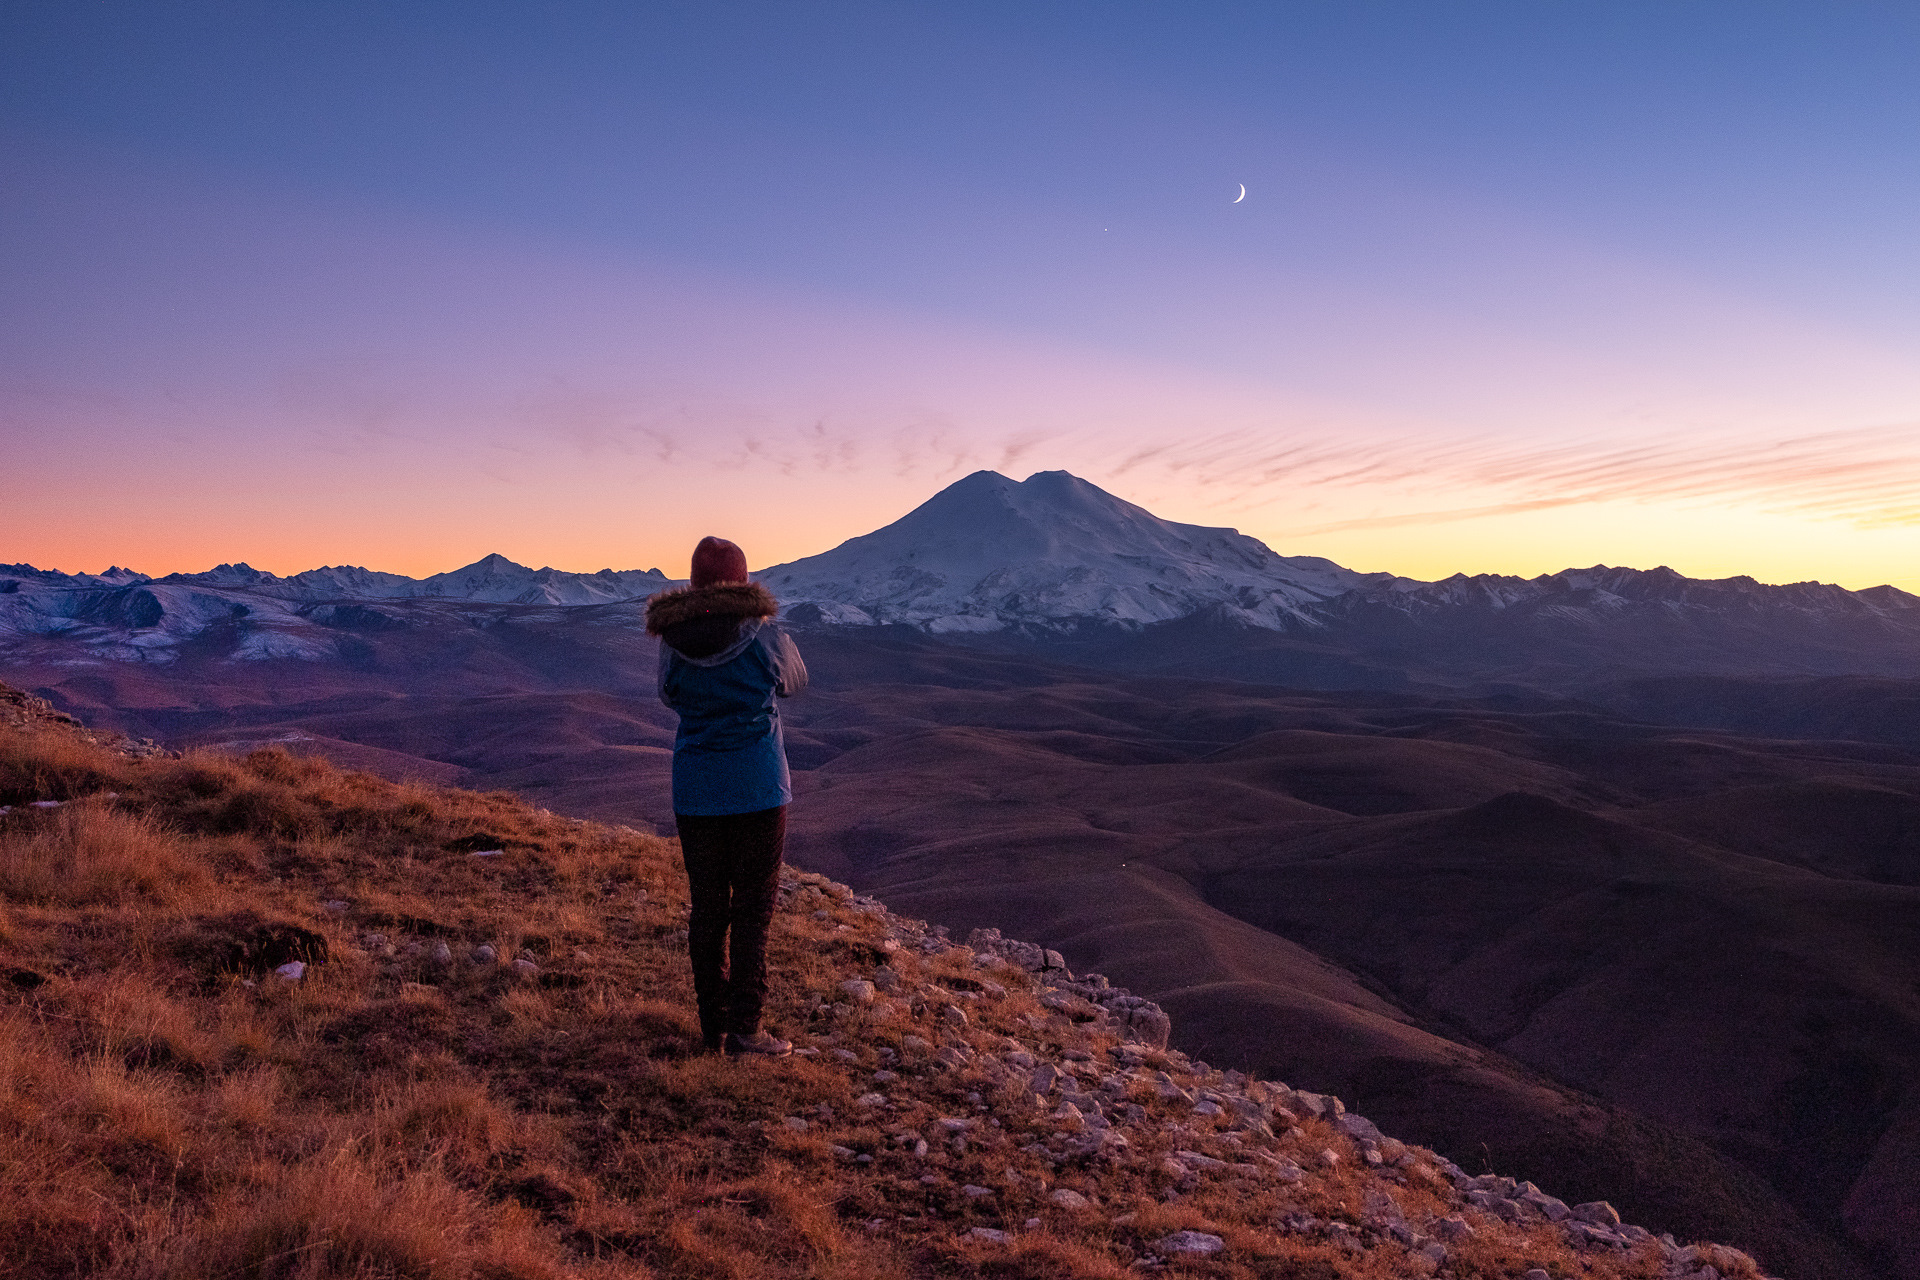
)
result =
(1242, 196)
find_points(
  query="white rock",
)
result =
(292, 970)
(1062, 1198)
(1189, 1242)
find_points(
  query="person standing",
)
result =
(723, 666)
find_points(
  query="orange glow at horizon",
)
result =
(573, 527)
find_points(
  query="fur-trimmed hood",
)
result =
(734, 601)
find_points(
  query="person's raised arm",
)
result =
(790, 672)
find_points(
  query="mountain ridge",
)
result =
(1055, 560)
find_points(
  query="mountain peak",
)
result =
(1054, 552)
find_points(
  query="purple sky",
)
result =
(1514, 286)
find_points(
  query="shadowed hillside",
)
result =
(1144, 826)
(264, 1018)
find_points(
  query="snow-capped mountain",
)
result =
(1051, 556)
(1052, 553)
(493, 579)
(121, 615)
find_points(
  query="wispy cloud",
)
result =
(1867, 476)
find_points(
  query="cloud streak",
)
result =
(1869, 477)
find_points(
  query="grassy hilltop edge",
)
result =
(262, 1017)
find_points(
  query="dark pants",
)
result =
(733, 871)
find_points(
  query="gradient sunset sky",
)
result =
(1514, 286)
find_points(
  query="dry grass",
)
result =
(170, 1107)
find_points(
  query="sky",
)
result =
(1513, 286)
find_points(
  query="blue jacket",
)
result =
(723, 665)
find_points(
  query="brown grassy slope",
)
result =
(174, 1107)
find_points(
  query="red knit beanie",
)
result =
(716, 561)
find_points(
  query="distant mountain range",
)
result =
(1055, 560)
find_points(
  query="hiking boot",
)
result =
(760, 1042)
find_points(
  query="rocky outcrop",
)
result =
(1205, 1124)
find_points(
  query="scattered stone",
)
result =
(795, 1123)
(292, 970)
(974, 1193)
(1062, 1198)
(1359, 1128)
(857, 991)
(987, 1235)
(1550, 1207)
(442, 953)
(871, 1100)
(1189, 1242)
(1597, 1212)
(1320, 1104)
(1329, 1157)
(484, 954)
